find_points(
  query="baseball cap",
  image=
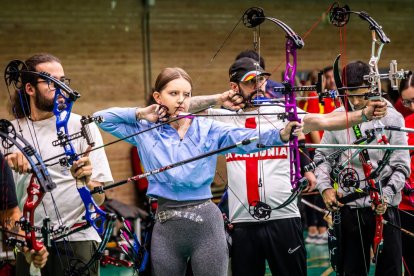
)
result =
(245, 69)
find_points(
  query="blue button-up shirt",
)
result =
(162, 146)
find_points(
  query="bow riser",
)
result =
(376, 200)
(62, 110)
(34, 197)
(291, 110)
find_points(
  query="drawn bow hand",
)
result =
(152, 113)
(231, 100)
(376, 109)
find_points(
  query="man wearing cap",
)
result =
(265, 176)
(271, 84)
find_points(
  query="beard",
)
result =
(258, 93)
(42, 103)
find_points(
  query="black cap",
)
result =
(245, 69)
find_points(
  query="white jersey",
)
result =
(264, 175)
(66, 198)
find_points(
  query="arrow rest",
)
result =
(253, 17)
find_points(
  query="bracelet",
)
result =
(364, 117)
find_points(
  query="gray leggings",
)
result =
(179, 239)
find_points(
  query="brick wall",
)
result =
(100, 45)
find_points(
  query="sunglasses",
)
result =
(253, 81)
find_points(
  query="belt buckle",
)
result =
(162, 216)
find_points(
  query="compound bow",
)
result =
(64, 98)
